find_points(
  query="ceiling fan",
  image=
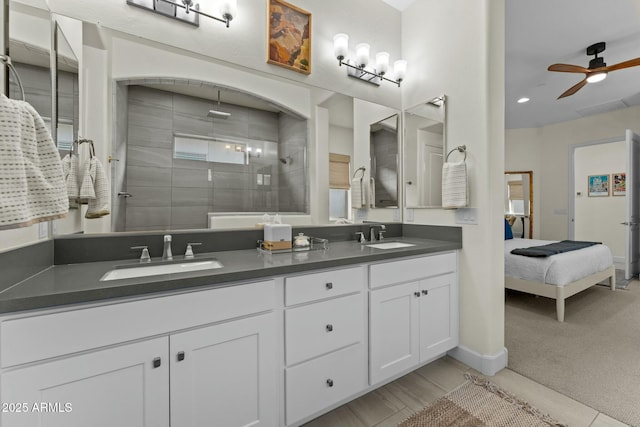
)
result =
(597, 70)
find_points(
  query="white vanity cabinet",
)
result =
(192, 359)
(325, 340)
(121, 386)
(413, 313)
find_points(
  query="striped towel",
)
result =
(357, 194)
(99, 204)
(455, 193)
(32, 187)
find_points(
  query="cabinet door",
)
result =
(225, 374)
(124, 386)
(394, 336)
(438, 316)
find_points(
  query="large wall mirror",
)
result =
(176, 165)
(424, 146)
(194, 150)
(518, 202)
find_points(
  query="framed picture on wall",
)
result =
(289, 37)
(619, 184)
(598, 185)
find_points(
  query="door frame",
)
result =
(572, 185)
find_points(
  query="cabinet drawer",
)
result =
(326, 284)
(322, 327)
(33, 338)
(411, 269)
(314, 385)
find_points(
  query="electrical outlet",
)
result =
(43, 230)
(361, 214)
(467, 216)
(410, 215)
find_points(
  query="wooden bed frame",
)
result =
(560, 293)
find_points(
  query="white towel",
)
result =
(32, 186)
(357, 194)
(99, 204)
(455, 193)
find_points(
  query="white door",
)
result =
(632, 220)
(225, 374)
(124, 386)
(394, 335)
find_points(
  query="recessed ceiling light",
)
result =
(523, 100)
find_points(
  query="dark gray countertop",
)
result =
(77, 283)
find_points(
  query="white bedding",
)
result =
(560, 269)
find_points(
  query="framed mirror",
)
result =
(424, 149)
(518, 202)
(384, 152)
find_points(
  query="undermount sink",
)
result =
(390, 245)
(128, 272)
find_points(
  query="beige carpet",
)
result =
(593, 357)
(479, 403)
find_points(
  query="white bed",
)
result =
(558, 276)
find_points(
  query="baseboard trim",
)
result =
(484, 363)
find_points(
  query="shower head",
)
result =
(218, 114)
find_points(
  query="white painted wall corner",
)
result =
(485, 363)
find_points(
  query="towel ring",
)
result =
(361, 168)
(460, 148)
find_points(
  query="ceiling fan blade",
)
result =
(573, 89)
(567, 68)
(625, 64)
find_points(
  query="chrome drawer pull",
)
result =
(330, 382)
(425, 292)
(329, 286)
(417, 294)
(329, 327)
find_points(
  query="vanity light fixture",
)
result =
(188, 11)
(358, 68)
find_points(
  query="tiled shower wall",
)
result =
(171, 193)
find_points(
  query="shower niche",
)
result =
(188, 151)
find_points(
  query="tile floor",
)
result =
(394, 402)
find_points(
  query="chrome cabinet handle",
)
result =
(329, 286)
(417, 294)
(157, 362)
(330, 382)
(180, 356)
(329, 328)
(425, 292)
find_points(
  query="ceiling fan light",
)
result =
(597, 77)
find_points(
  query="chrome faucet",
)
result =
(372, 232)
(166, 252)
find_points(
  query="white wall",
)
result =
(598, 218)
(456, 47)
(545, 150)
(245, 42)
